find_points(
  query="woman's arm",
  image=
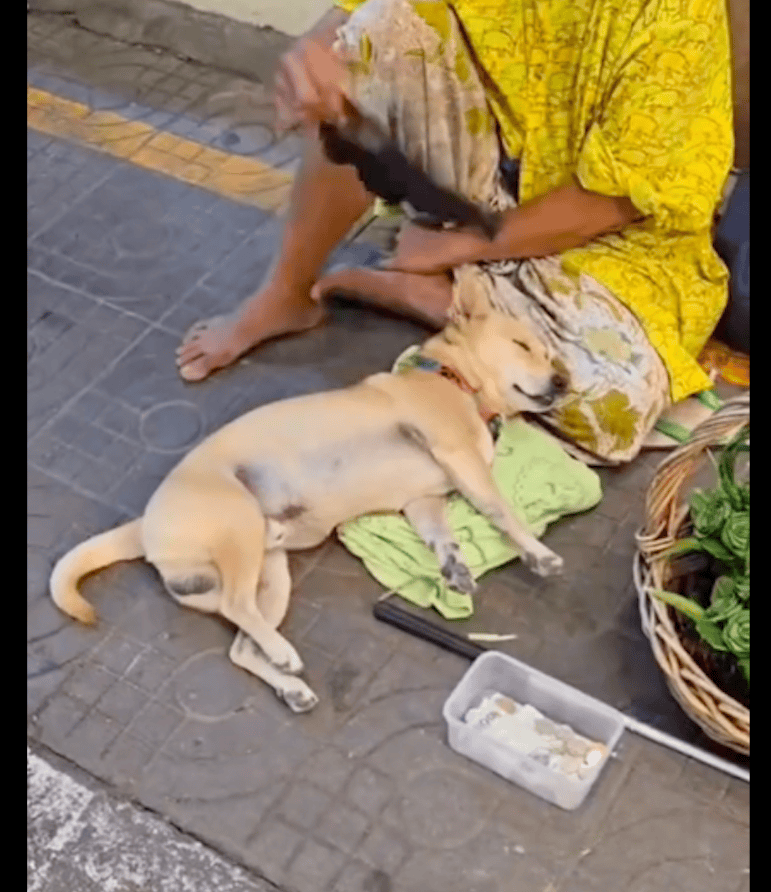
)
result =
(567, 217)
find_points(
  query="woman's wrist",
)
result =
(423, 250)
(467, 246)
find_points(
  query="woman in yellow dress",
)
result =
(619, 115)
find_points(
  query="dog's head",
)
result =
(503, 357)
(516, 363)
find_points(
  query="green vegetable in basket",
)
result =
(709, 511)
(738, 495)
(735, 534)
(712, 634)
(736, 633)
(723, 601)
(721, 528)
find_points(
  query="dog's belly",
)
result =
(305, 496)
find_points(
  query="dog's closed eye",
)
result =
(522, 345)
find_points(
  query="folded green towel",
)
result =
(539, 480)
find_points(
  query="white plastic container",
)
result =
(558, 701)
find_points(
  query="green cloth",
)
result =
(539, 480)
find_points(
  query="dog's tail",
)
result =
(124, 543)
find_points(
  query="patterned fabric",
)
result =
(631, 96)
(618, 383)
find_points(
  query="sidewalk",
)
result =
(362, 794)
(80, 837)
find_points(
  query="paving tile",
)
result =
(121, 702)
(117, 591)
(304, 805)
(56, 638)
(704, 781)
(331, 632)
(57, 718)
(455, 871)
(241, 741)
(274, 847)
(314, 867)
(369, 790)
(140, 242)
(661, 763)
(342, 827)
(150, 670)
(43, 678)
(55, 511)
(149, 616)
(227, 818)
(65, 367)
(61, 177)
(189, 633)
(384, 849)
(154, 723)
(328, 768)
(117, 653)
(391, 716)
(125, 760)
(89, 682)
(207, 687)
(120, 420)
(90, 739)
(744, 883)
(358, 877)
(691, 875)
(736, 801)
(660, 824)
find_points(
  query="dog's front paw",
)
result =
(543, 562)
(298, 696)
(458, 575)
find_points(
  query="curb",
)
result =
(211, 39)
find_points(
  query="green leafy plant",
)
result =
(721, 528)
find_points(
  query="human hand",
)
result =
(423, 250)
(309, 86)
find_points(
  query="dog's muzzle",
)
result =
(558, 386)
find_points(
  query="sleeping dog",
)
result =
(283, 476)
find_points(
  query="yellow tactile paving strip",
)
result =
(231, 176)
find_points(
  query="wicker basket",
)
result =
(666, 513)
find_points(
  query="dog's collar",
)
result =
(490, 418)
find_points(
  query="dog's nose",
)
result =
(559, 382)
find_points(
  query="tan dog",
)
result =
(283, 476)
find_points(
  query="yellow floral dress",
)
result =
(631, 96)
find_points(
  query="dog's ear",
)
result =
(470, 297)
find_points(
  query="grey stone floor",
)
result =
(363, 794)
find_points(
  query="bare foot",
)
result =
(214, 343)
(423, 297)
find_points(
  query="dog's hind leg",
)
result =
(242, 570)
(275, 647)
(427, 516)
(291, 689)
(193, 586)
(275, 586)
